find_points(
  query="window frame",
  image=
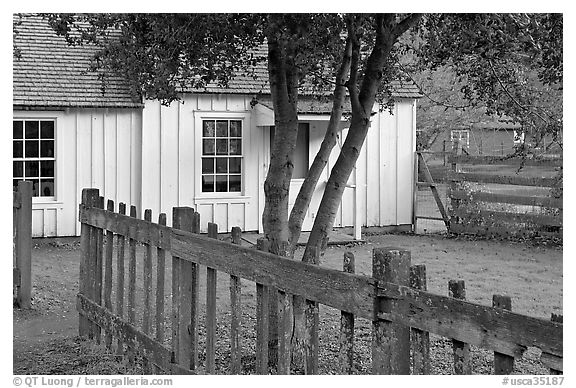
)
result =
(460, 132)
(199, 118)
(55, 158)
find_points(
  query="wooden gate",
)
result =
(161, 328)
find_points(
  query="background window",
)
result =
(221, 156)
(33, 155)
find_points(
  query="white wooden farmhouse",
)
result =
(209, 151)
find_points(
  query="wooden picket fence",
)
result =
(482, 212)
(394, 299)
(22, 245)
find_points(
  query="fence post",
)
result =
(108, 273)
(24, 245)
(262, 318)
(120, 255)
(415, 195)
(160, 280)
(420, 340)
(185, 298)
(454, 203)
(236, 313)
(98, 262)
(346, 351)
(503, 364)
(390, 341)
(147, 276)
(457, 289)
(87, 247)
(211, 281)
(560, 319)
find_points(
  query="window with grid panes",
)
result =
(221, 156)
(33, 154)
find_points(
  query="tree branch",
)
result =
(407, 23)
(421, 90)
(512, 98)
(352, 83)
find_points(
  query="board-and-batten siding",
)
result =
(171, 160)
(94, 148)
(384, 170)
(171, 148)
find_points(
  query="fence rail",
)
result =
(22, 245)
(477, 211)
(393, 299)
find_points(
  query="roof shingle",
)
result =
(50, 74)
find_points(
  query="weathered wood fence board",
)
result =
(346, 340)
(22, 244)
(394, 299)
(236, 313)
(500, 179)
(518, 218)
(506, 198)
(348, 292)
(496, 329)
(507, 161)
(420, 340)
(460, 349)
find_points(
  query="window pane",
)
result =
(221, 128)
(17, 131)
(207, 165)
(35, 186)
(32, 148)
(221, 184)
(221, 146)
(235, 183)
(208, 147)
(221, 165)
(235, 128)
(235, 147)
(47, 168)
(32, 130)
(47, 187)
(235, 165)
(47, 148)
(47, 129)
(207, 183)
(208, 128)
(15, 184)
(18, 149)
(31, 169)
(18, 169)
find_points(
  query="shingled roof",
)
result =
(52, 74)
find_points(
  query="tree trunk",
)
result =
(362, 103)
(283, 87)
(321, 159)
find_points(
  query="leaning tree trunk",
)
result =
(362, 103)
(321, 159)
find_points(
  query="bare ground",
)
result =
(46, 342)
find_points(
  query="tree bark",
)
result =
(321, 159)
(283, 87)
(362, 104)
